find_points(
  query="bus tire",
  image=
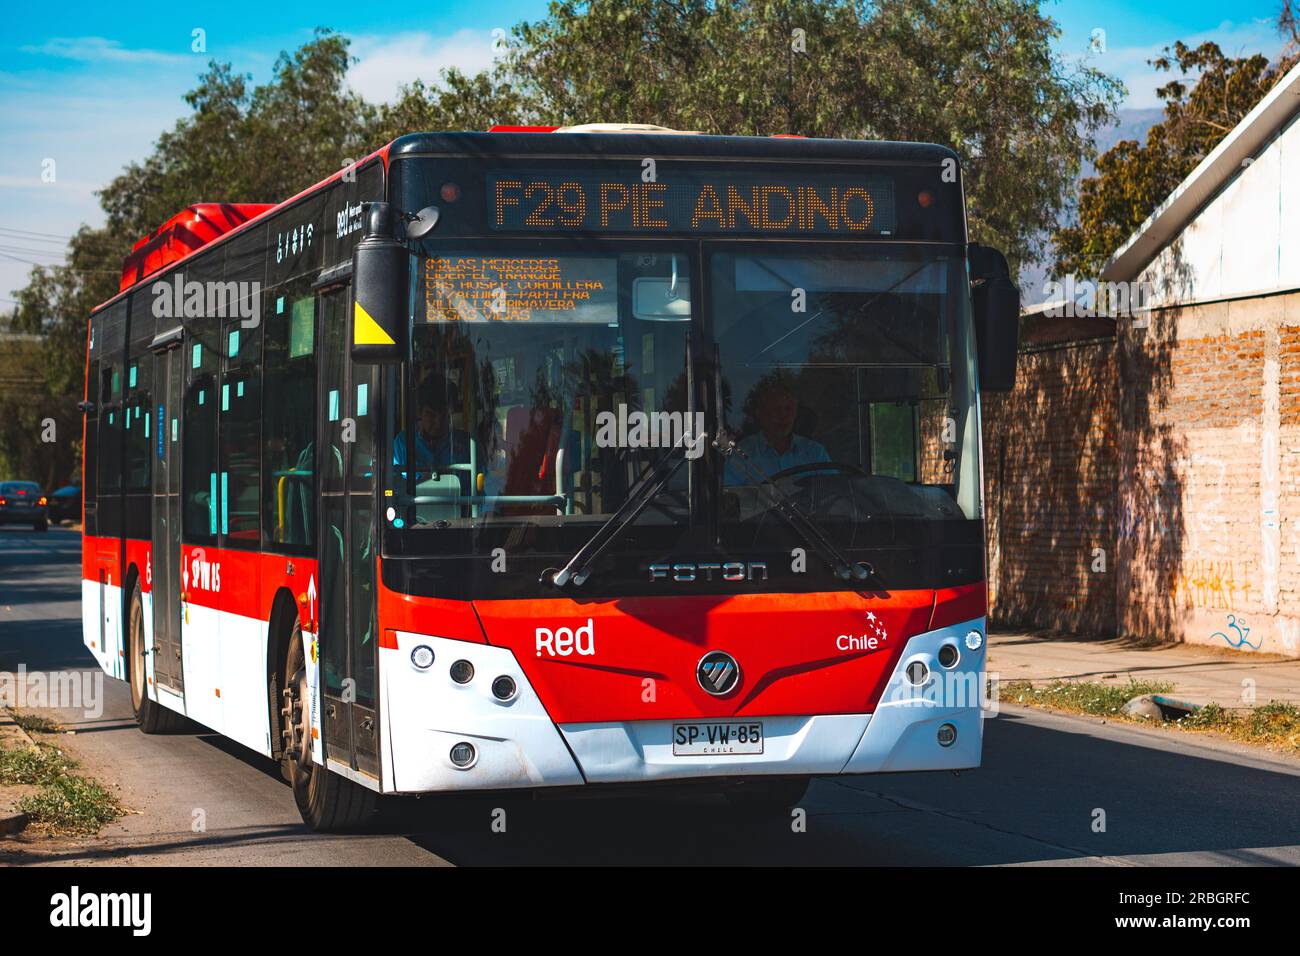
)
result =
(151, 716)
(328, 802)
(761, 798)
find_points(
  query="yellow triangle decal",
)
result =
(365, 330)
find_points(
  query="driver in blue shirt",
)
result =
(774, 447)
(437, 445)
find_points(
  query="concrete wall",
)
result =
(1244, 241)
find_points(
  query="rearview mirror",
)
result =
(996, 302)
(380, 318)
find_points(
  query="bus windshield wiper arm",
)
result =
(787, 509)
(578, 568)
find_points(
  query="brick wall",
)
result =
(1049, 487)
(1174, 448)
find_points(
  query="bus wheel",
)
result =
(152, 717)
(760, 798)
(327, 801)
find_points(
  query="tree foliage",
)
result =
(976, 75)
(1134, 178)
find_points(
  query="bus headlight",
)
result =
(422, 656)
(974, 640)
(947, 735)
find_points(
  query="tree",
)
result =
(1134, 178)
(258, 145)
(462, 103)
(978, 76)
(261, 144)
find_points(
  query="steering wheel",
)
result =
(828, 497)
(840, 466)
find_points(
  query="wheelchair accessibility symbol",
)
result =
(1240, 639)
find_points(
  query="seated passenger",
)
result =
(774, 447)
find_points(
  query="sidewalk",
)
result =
(1198, 674)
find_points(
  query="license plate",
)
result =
(717, 739)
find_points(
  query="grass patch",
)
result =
(71, 804)
(67, 802)
(35, 724)
(40, 766)
(1080, 697)
(1275, 724)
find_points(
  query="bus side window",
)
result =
(239, 433)
(199, 480)
(138, 422)
(289, 419)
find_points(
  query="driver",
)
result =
(437, 445)
(775, 447)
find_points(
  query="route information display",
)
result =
(479, 288)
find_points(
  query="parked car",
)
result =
(21, 502)
(65, 504)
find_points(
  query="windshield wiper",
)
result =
(803, 525)
(578, 568)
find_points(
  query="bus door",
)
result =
(165, 560)
(348, 634)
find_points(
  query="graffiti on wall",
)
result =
(1209, 584)
(1240, 636)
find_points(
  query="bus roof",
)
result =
(526, 141)
(518, 142)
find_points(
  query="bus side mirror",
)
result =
(996, 302)
(380, 317)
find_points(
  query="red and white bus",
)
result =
(555, 458)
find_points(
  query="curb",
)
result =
(7, 723)
(16, 822)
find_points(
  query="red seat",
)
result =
(531, 439)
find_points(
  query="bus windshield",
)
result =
(548, 379)
(543, 385)
(845, 381)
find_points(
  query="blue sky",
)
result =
(90, 86)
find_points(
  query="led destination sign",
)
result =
(541, 289)
(715, 203)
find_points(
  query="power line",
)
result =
(43, 235)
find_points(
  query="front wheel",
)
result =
(327, 801)
(152, 717)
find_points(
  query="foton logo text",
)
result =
(564, 641)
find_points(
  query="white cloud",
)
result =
(100, 50)
(1131, 63)
(387, 63)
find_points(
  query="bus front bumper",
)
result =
(934, 725)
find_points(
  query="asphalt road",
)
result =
(1166, 798)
